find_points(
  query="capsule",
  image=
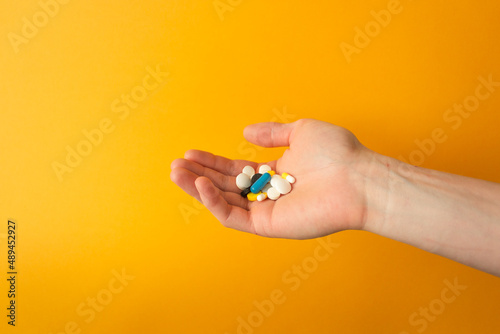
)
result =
(260, 183)
(288, 177)
(253, 197)
(245, 192)
(255, 177)
(261, 197)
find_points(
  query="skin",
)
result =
(342, 185)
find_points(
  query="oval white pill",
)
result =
(266, 188)
(290, 178)
(273, 194)
(243, 181)
(261, 197)
(282, 185)
(264, 168)
(248, 170)
(275, 178)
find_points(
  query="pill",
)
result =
(245, 192)
(261, 197)
(243, 181)
(264, 168)
(253, 197)
(256, 177)
(282, 185)
(274, 179)
(266, 187)
(261, 182)
(288, 177)
(273, 194)
(248, 170)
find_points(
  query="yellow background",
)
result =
(119, 210)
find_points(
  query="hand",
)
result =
(328, 162)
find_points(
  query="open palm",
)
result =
(328, 196)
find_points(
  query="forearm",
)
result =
(450, 215)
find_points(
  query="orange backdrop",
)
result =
(97, 99)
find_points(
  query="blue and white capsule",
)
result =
(261, 182)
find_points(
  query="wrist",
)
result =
(445, 214)
(380, 175)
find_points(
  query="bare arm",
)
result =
(342, 185)
(450, 215)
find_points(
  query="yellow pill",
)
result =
(271, 172)
(253, 197)
(288, 177)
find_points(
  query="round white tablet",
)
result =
(243, 181)
(264, 168)
(273, 194)
(248, 170)
(282, 185)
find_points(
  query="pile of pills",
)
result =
(264, 184)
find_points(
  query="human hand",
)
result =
(328, 162)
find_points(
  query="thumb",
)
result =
(269, 134)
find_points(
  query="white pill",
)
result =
(282, 185)
(275, 178)
(248, 170)
(264, 168)
(261, 197)
(266, 188)
(273, 194)
(243, 181)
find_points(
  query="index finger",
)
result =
(216, 162)
(230, 216)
